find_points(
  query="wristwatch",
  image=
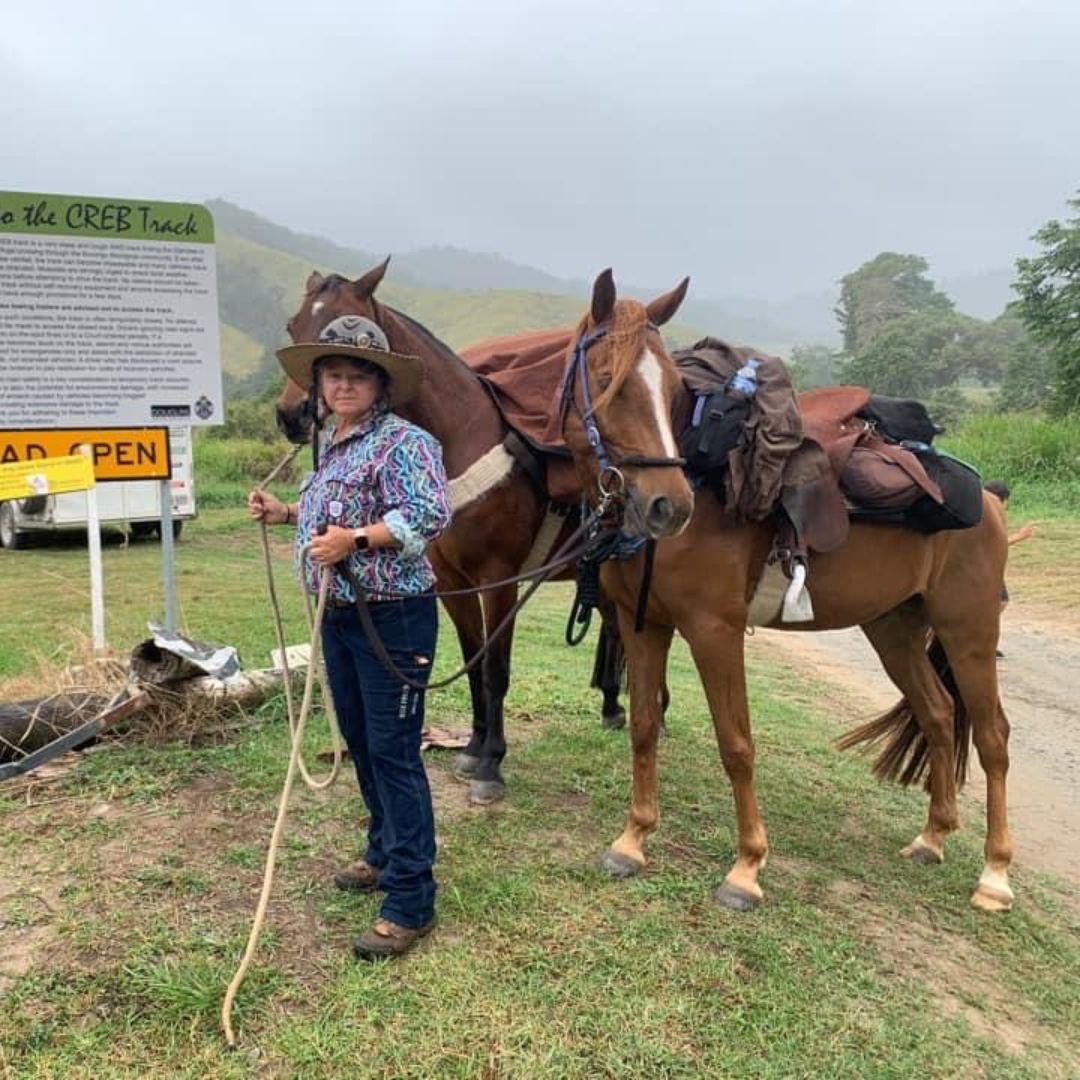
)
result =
(360, 539)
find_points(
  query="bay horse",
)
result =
(498, 508)
(896, 584)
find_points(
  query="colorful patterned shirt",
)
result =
(387, 470)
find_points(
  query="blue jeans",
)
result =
(381, 720)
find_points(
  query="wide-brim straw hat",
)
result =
(357, 338)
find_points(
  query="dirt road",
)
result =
(1040, 689)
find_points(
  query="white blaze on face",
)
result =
(652, 375)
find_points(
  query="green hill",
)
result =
(260, 287)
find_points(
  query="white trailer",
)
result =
(131, 505)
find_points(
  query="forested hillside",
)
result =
(462, 296)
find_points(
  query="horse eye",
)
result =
(604, 381)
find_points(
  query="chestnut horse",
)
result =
(894, 583)
(498, 508)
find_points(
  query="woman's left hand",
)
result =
(334, 546)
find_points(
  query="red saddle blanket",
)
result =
(525, 373)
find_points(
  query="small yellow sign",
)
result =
(51, 476)
(119, 453)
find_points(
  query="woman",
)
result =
(378, 497)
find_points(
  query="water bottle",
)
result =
(744, 382)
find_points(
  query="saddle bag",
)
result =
(961, 489)
(715, 428)
(907, 424)
(882, 477)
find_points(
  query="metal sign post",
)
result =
(93, 544)
(168, 575)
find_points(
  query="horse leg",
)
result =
(647, 654)
(468, 620)
(717, 649)
(487, 783)
(899, 638)
(971, 650)
(608, 667)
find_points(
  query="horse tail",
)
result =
(609, 663)
(905, 755)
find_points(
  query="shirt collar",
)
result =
(360, 432)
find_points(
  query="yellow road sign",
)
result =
(48, 476)
(119, 453)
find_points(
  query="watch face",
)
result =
(361, 541)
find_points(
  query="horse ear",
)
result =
(365, 286)
(603, 297)
(664, 307)
(314, 282)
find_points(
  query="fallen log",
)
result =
(26, 726)
(78, 733)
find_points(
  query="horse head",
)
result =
(325, 298)
(622, 384)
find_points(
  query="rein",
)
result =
(569, 553)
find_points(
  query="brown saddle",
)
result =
(831, 417)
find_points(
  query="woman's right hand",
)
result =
(266, 507)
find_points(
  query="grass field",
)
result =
(128, 886)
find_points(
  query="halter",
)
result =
(611, 481)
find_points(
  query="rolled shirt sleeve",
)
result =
(415, 489)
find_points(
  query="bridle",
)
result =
(611, 482)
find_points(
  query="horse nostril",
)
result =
(659, 513)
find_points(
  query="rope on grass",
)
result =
(297, 722)
(279, 824)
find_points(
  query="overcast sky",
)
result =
(765, 148)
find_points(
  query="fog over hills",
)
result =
(769, 324)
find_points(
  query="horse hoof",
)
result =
(613, 721)
(486, 792)
(735, 899)
(919, 851)
(993, 892)
(618, 865)
(987, 899)
(465, 766)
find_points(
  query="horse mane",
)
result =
(629, 325)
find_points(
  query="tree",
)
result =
(1049, 304)
(812, 365)
(886, 288)
(914, 355)
(1028, 376)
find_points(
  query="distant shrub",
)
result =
(227, 469)
(1039, 457)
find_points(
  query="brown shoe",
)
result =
(357, 877)
(386, 939)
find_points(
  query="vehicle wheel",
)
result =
(34, 505)
(10, 537)
(143, 530)
(177, 528)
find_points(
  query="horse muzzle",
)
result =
(657, 516)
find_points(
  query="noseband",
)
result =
(611, 481)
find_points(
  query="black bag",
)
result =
(961, 487)
(715, 428)
(900, 420)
